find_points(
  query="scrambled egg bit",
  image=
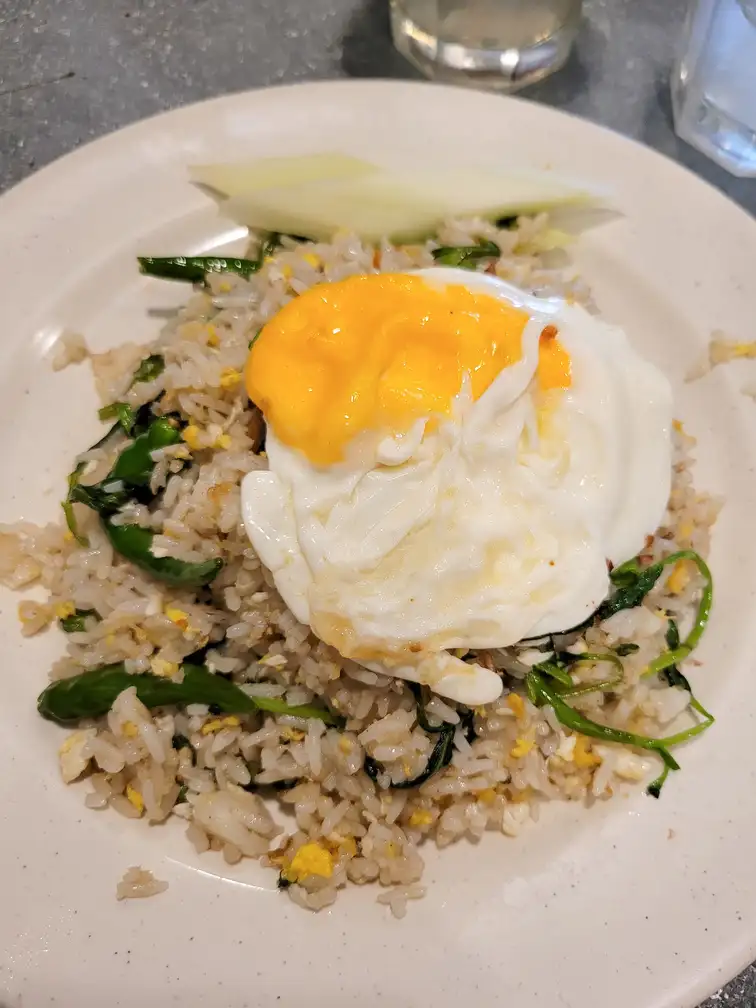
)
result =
(310, 859)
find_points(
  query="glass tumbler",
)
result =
(497, 44)
(714, 83)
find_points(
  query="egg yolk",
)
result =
(376, 353)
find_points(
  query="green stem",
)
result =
(542, 694)
(683, 650)
(582, 689)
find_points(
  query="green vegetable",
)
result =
(625, 649)
(656, 785)
(105, 498)
(634, 582)
(135, 465)
(181, 796)
(422, 718)
(133, 468)
(439, 758)
(76, 622)
(681, 651)
(543, 695)
(122, 413)
(193, 269)
(127, 418)
(466, 256)
(555, 671)
(674, 677)
(442, 751)
(558, 669)
(467, 724)
(132, 471)
(134, 543)
(591, 687)
(268, 246)
(67, 505)
(372, 768)
(91, 695)
(150, 369)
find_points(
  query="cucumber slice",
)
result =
(244, 177)
(319, 194)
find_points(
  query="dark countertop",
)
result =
(71, 70)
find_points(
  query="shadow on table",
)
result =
(564, 88)
(367, 49)
(658, 131)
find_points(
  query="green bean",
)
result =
(91, 694)
(134, 543)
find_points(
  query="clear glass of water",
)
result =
(714, 83)
(498, 44)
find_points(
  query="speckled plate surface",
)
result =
(630, 903)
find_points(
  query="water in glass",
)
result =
(714, 83)
(500, 44)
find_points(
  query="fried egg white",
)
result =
(451, 465)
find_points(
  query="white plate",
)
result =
(631, 903)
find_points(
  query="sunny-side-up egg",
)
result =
(451, 465)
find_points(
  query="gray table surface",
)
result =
(71, 70)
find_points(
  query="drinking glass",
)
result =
(499, 44)
(714, 83)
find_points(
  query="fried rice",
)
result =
(228, 777)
